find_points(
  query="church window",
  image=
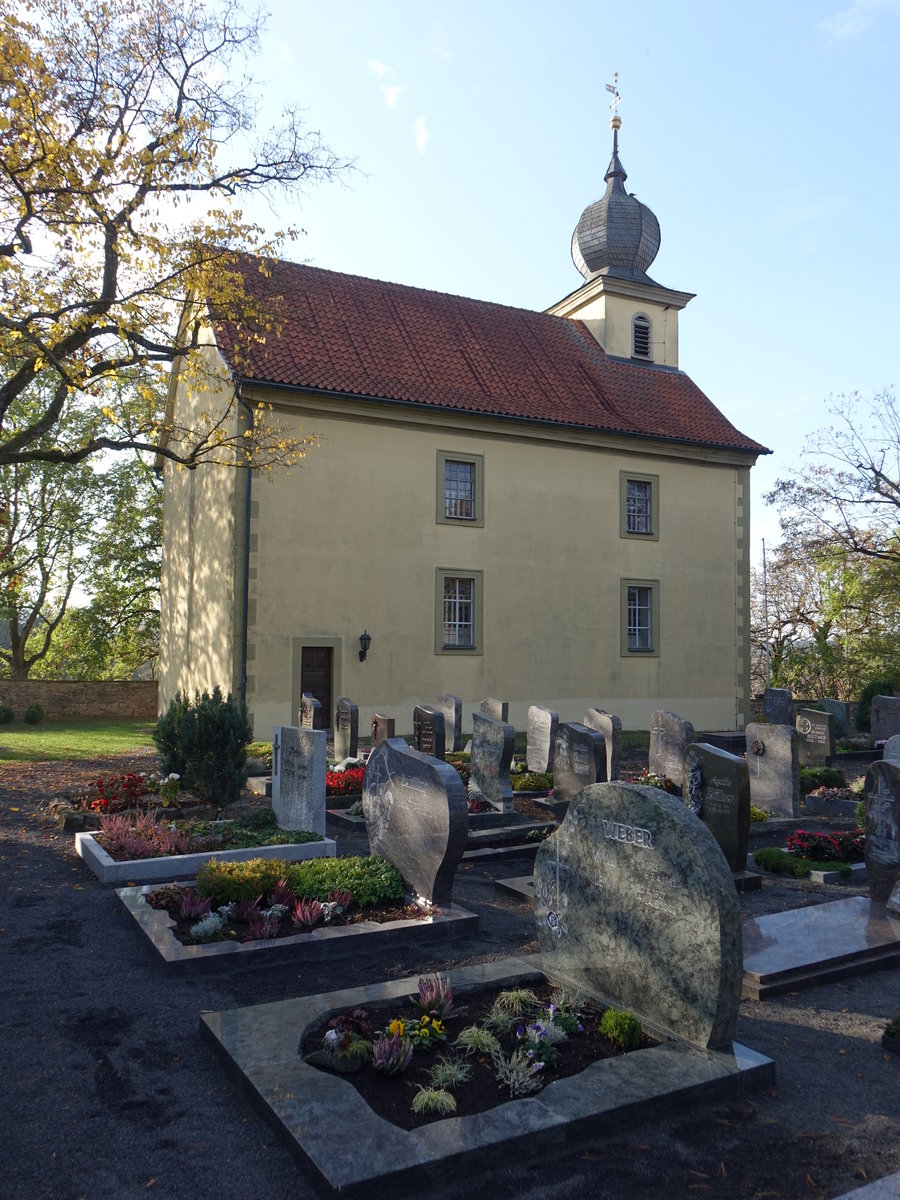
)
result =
(640, 616)
(459, 608)
(460, 488)
(639, 505)
(641, 337)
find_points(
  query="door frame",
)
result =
(297, 645)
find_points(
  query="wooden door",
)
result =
(315, 678)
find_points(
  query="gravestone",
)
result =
(416, 816)
(579, 759)
(611, 728)
(670, 735)
(428, 731)
(310, 715)
(382, 728)
(346, 729)
(840, 710)
(635, 907)
(882, 829)
(885, 716)
(298, 778)
(717, 790)
(778, 706)
(490, 756)
(816, 732)
(498, 709)
(773, 758)
(541, 736)
(451, 707)
(892, 749)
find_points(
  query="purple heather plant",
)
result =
(344, 899)
(261, 927)
(246, 910)
(435, 996)
(191, 906)
(393, 1054)
(307, 912)
(284, 894)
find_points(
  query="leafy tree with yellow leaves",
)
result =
(124, 155)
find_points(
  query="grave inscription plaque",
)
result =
(670, 735)
(635, 907)
(382, 728)
(579, 758)
(498, 709)
(778, 706)
(718, 791)
(451, 707)
(773, 759)
(298, 778)
(882, 829)
(611, 728)
(490, 758)
(346, 729)
(310, 715)
(428, 731)
(541, 736)
(816, 732)
(885, 716)
(416, 816)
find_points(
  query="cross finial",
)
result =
(614, 89)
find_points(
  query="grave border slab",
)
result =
(183, 866)
(260, 1044)
(314, 946)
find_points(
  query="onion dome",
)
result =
(617, 235)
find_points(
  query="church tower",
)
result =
(615, 241)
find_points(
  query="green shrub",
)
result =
(6, 714)
(369, 880)
(623, 1028)
(779, 862)
(205, 741)
(532, 781)
(758, 814)
(33, 714)
(878, 687)
(816, 777)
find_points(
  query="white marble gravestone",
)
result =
(611, 728)
(540, 738)
(298, 778)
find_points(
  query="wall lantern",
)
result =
(365, 641)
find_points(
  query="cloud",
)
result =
(392, 93)
(857, 18)
(378, 69)
(420, 129)
(286, 54)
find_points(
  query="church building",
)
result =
(537, 506)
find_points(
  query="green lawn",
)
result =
(54, 741)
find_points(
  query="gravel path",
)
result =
(108, 1093)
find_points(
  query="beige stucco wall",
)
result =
(609, 320)
(201, 539)
(350, 541)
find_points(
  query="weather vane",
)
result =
(614, 89)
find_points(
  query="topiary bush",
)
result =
(878, 687)
(33, 714)
(6, 714)
(205, 742)
(623, 1028)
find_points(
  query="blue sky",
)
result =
(764, 137)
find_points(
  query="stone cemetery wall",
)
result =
(611, 728)
(883, 829)
(298, 778)
(490, 757)
(451, 707)
(579, 759)
(773, 758)
(635, 906)
(346, 729)
(717, 790)
(541, 738)
(62, 699)
(885, 716)
(816, 732)
(417, 816)
(670, 735)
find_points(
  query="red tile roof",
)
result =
(386, 341)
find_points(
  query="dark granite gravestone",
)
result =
(579, 758)
(498, 709)
(310, 715)
(778, 706)
(490, 756)
(773, 758)
(451, 707)
(840, 710)
(416, 816)
(891, 750)
(885, 717)
(611, 728)
(346, 729)
(670, 735)
(816, 732)
(717, 790)
(298, 778)
(541, 738)
(428, 731)
(883, 829)
(382, 728)
(635, 907)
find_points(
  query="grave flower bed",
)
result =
(127, 836)
(264, 899)
(838, 846)
(344, 783)
(430, 1058)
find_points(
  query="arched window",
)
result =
(641, 337)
